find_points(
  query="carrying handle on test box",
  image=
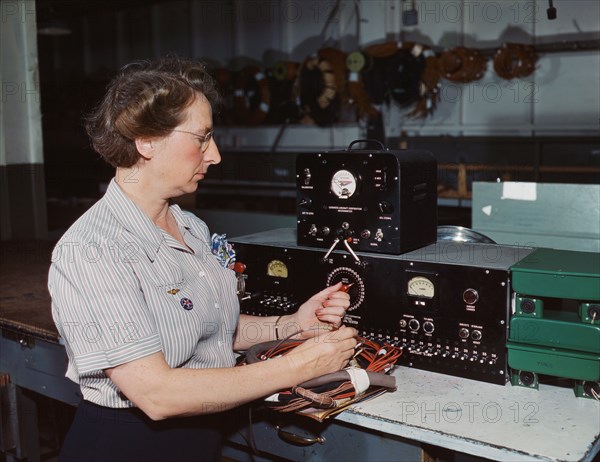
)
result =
(381, 145)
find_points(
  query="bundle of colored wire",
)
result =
(330, 391)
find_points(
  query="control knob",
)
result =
(386, 207)
(476, 335)
(428, 327)
(307, 176)
(470, 296)
(305, 202)
(463, 332)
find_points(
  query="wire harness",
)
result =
(365, 376)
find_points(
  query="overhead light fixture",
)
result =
(410, 17)
(551, 11)
(54, 27)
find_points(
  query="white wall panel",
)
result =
(491, 23)
(258, 27)
(440, 23)
(573, 16)
(212, 33)
(380, 21)
(568, 92)
(313, 26)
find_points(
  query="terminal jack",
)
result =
(527, 379)
(593, 313)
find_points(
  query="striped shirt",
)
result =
(122, 289)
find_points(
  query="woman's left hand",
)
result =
(326, 308)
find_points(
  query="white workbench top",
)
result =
(503, 423)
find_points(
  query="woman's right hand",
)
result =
(329, 351)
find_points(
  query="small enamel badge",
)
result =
(186, 303)
(172, 291)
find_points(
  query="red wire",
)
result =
(378, 357)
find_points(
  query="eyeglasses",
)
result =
(204, 140)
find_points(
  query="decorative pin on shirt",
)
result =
(186, 303)
(223, 250)
(173, 291)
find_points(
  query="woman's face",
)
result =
(179, 160)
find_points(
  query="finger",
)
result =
(350, 331)
(335, 321)
(337, 310)
(344, 333)
(327, 291)
(332, 314)
(335, 303)
(339, 296)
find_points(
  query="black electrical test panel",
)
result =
(380, 201)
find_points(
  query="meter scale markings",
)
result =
(348, 276)
(420, 286)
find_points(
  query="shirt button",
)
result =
(216, 305)
(220, 342)
(201, 273)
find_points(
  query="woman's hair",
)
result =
(146, 99)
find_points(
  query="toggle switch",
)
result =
(386, 207)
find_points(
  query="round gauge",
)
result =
(343, 184)
(420, 286)
(348, 276)
(277, 269)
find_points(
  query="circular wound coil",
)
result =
(251, 96)
(396, 72)
(284, 106)
(515, 60)
(321, 82)
(462, 65)
(286, 70)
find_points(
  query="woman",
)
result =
(149, 317)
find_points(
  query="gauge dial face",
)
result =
(420, 286)
(349, 276)
(343, 184)
(277, 269)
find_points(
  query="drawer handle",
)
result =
(292, 438)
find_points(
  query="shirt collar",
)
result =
(136, 222)
(183, 220)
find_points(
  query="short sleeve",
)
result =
(98, 305)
